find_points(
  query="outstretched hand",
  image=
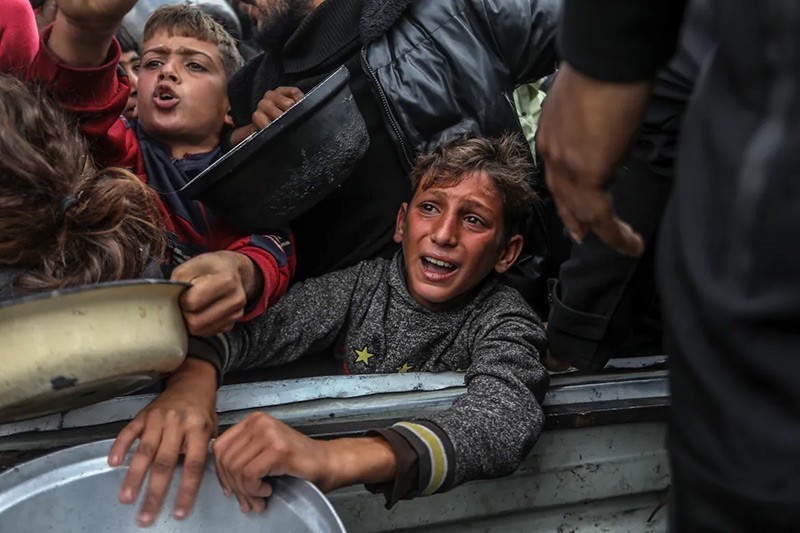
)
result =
(585, 130)
(261, 446)
(95, 14)
(274, 104)
(83, 30)
(181, 420)
(222, 284)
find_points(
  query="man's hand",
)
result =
(274, 104)
(585, 130)
(83, 30)
(260, 446)
(222, 284)
(182, 419)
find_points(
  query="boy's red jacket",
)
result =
(97, 96)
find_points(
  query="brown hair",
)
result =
(506, 160)
(185, 20)
(63, 223)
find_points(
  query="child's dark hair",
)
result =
(126, 41)
(185, 20)
(506, 160)
(64, 223)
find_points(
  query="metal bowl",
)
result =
(75, 490)
(282, 171)
(68, 348)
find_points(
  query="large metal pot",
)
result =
(75, 490)
(64, 349)
(277, 174)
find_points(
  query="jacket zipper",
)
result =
(387, 110)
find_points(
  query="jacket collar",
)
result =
(377, 16)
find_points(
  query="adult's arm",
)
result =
(601, 293)
(619, 41)
(596, 106)
(525, 33)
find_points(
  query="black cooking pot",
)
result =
(277, 174)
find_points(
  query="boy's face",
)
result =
(130, 61)
(182, 88)
(452, 239)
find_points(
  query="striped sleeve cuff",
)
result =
(436, 454)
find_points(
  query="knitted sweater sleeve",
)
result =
(489, 430)
(308, 318)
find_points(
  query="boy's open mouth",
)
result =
(437, 269)
(165, 98)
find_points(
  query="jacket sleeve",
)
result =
(19, 37)
(97, 96)
(619, 40)
(273, 254)
(525, 32)
(491, 428)
(308, 318)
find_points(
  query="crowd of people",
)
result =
(441, 250)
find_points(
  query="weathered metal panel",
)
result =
(624, 464)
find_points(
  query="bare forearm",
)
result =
(359, 460)
(196, 375)
(242, 133)
(81, 44)
(252, 278)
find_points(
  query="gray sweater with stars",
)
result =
(368, 310)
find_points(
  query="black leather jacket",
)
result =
(437, 68)
(449, 66)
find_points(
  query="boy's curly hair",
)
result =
(186, 20)
(506, 161)
(64, 223)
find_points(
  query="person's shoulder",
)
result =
(501, 302)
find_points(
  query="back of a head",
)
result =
(126, 40)
(63, 222)
(506, 160)
(187, 20)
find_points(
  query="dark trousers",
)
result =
(696, 506)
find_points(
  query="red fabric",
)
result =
(19, 38)
(97, 96)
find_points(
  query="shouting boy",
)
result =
(436, 306)
(187, 59)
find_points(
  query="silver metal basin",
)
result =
(75, 490)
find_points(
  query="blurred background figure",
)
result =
(130, 61)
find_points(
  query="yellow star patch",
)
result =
(363, 355)
(403, 369)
